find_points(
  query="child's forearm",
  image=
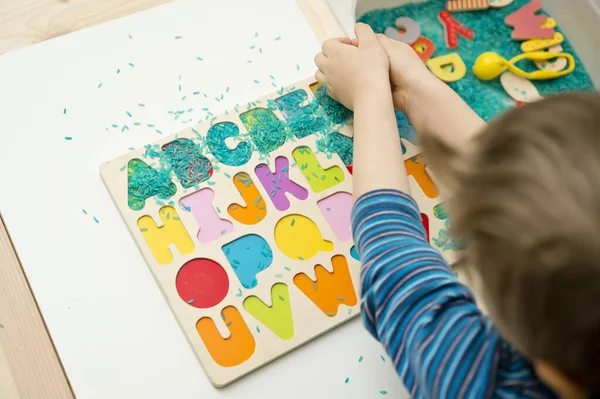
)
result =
(440, 343)
(378, 159)
(435, 109)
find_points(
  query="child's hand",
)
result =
(351, 70)
(407, 72)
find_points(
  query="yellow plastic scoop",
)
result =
(490, 65)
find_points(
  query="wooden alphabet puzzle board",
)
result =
(244, 221)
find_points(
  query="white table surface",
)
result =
(112, 328)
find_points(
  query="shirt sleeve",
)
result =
(441, 344)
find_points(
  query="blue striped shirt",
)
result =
(441, 344)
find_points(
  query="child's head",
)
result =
(527, 202)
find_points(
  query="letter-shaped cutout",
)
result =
(549, 23)
(407, 131)
(424, 48)
(340, 144)
(200, 204)
(500, 3)
(415, 167)
(330, 290)
(298, 237)
(187, 161)
(202, 283)
(144, 182)
(527, 24)
(439, 211)
(337, 210)
(248, 256)
(233, 350)
(303, 120)
(278, 316)
(215, 140)
(411, 28)
(354, 253)
(318, 179)
(171, 232)
(335, 111)
(255, 209)
(443, 240)
(267, 132)
(542, 44)
(556, 65)
(278, 183)
(453, 28)
(519, 88)
(457, 72)
(467, 5)
(425, 222)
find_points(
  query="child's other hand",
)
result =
(353, 69)
(407, 71)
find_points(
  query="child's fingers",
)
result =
(347, 40)
(320, 60)
(383, 39)
(390, 44)
(320, 76)
(387, 43)
(330, 46)
(365, 35)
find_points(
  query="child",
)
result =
(525, 196)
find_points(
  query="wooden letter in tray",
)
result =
(244, 221)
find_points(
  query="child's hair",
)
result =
(525, 196)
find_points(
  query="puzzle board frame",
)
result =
(308, 320)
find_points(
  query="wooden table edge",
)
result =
(29, 363)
